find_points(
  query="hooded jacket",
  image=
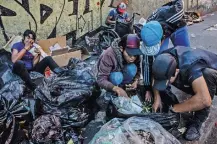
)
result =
(112, 60)
(170, 16)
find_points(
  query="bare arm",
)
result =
(109, 21)
(200, 100)
(17, 55)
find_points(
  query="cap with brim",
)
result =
(150, 51)
(160, 85)
(121, 10)
(133, 51)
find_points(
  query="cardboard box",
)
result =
(62, 56)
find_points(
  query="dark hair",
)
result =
(123, 42)
(28, 32)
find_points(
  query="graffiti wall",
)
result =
(49, 18)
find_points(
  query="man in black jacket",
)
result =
(193, 71)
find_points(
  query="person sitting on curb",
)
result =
(119, 65)
(119, 13)
(24, 61)
(193, 71)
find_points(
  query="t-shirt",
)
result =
(194, 72)
(191, 63)
(27, 58)
(113, 13)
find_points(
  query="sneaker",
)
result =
(192, 133)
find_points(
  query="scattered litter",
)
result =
(142, 21)
(193, 35)
(182, 130)
(192, 17)
(212, 28)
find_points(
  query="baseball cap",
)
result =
(151, 35)
(163, 68)
(122, 7)
(133, 45)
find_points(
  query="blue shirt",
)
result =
(113, 13)
(27, 58)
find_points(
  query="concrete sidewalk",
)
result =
(204, 39)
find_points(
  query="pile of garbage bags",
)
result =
(63, 105)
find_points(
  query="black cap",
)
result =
(164, 67)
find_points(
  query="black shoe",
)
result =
(192, 133)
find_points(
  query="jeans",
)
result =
(210, 76)
(128, 75)
(179, 38)
(20, 69)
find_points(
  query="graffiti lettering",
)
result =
(51, 17)
(45, 12)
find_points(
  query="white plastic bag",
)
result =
(118, 131)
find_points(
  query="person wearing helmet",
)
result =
(118, 13)
(119, 65)
(170, 16)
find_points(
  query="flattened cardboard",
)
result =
(63, 59)
(62, 56)
(59, 51)
(84, 52)
(45, 44)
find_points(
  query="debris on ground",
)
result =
(212, 28)
(137, 130)
(192, 17)
(67, 108)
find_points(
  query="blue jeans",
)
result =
(179, 38)
(127, 75)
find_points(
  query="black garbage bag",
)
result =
(47, 129)
(135, 130)
(15, 116)
(5, 57)
(6, 75)
(65, 95)
(12, 90)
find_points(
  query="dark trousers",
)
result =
(210, 76)
(20, 69)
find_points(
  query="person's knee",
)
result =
(48, 58)
(129, 72)
(116, 78)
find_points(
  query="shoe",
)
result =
(192, 133)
